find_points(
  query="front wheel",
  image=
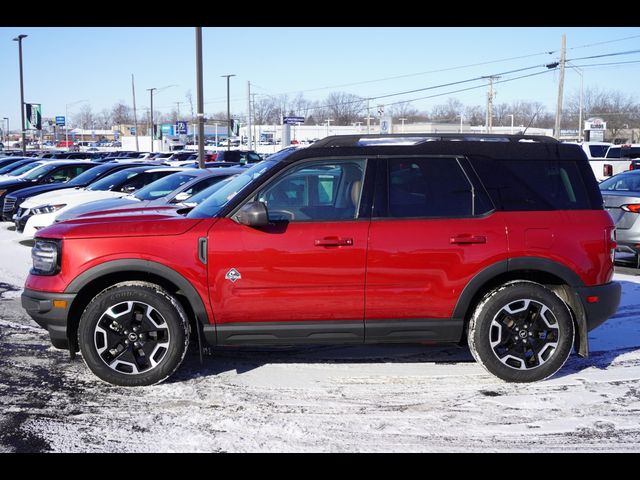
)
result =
(133, 334)
(521, 332)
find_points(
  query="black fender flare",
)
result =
(511, 265)
(146, 266)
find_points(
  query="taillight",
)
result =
(610, 236)
(631, 207)
(632, 166)
(607, 170)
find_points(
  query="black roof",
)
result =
(503, 147)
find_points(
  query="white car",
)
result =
(42, 210)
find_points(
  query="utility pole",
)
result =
(24, 144)
(135, 115)
(200, 101)
(402, 120)
(178, 109)
(563, 49)
(249, 113)
(490, 95)
(368, 119)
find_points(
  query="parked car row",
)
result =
(38, 191)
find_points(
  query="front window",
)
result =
(212, 205)
(326, 190)
(163, 187)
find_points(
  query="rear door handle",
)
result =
(333, 242)
(467, 239)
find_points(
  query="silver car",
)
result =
(621, 195)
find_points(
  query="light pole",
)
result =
(329, 120)
(7, 131)
(579, 70)
(402, 120)
(228, 112)
(511, 115)
(150, 90)
(19, 40)
(66, 120)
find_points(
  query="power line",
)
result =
(602, 43)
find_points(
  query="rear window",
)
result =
(623, 152)
(598, 150)
(526, 185)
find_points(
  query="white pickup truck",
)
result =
(616, 160)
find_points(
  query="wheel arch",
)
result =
(557, 277)
(91, 282)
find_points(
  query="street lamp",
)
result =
(511, 115)
(228, 112)
(66, 120)
(150, 90)
(19, 40)
(7, 131)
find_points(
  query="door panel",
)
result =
(417, 268)
(284, 275)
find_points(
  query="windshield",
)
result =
(39, 172)
(628, 182)
(13, 166)
(25, 168)
(88, 176)
(204, 194)
(108, 182)
(164, 186)
(229, 189)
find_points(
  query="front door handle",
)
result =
(467, 239)
(333, 242)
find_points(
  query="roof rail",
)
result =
(418, 138)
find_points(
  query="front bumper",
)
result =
(608, 300)
(40, 306)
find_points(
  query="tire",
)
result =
(521, 332)
(133, 334)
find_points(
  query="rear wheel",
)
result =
(133, 334)
(521, 332)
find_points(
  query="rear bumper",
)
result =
(608, 300)
(39, 305)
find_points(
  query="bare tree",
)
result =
(121, 114)
(84, 118)
(189, 98)
(619, 110)
(404, 110)
(447, 112)
(103, 120)
(345, 108)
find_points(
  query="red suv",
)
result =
(501, 241)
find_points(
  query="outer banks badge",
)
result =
(233, 275)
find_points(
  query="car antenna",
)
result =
(532, 119)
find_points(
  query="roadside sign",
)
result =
(181, 128)
(60, 120)
(385, 125)
(292, 120)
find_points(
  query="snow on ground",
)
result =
(397, 398)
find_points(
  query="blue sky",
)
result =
(65, 64)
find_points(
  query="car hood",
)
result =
(40, 189)
(126, 211)
(110, 226)
(108, 204)
(70, 198)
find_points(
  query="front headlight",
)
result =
(46, 256)
(42, 209)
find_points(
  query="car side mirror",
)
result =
(253, 214)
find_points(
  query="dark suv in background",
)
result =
(498, 241)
